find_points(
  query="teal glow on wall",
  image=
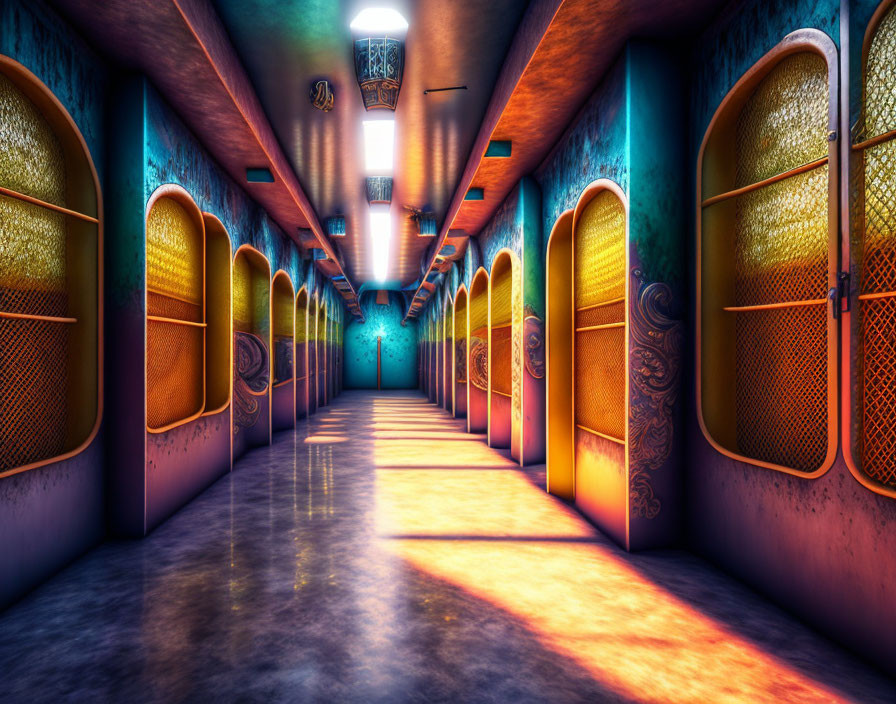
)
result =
(399, 346)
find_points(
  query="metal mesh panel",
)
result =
(600, 369)
(781, 241)
(502, 286)
(283, 314)
(175, 352)
(33, 388)
(301, 323)
(601, 315)
(600, 251)
(879, 390)
(32, 259)
(460, 340)
(174, 372)
(781, 257)
(502, 360)
(600, 383)
(174, 256)
(879, 237)
(784, 123)
(167, 307)
(242, 294)
(516, 348)
(781, 386)
(877, 256)
(479, 308)
(34, 354)
(880, 79)
(31, 159)
(460, 319)
(501, 341)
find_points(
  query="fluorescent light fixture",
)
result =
(380, 237)
(379, 145)
(379, 19)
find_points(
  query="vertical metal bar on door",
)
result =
(379, 362)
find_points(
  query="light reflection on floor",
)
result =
(494, 533)
(353, 561)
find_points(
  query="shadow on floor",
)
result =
(338, 565)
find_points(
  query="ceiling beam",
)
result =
(184, 49)
(532, 30)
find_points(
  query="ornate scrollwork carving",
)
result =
(478, 369)
(655, 362)
(533, 344)
(322, 95)
(251, 378)
(283, 347)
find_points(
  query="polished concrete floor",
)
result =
(380, 554)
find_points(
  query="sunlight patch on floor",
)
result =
(495, 534)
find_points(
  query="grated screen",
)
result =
(242, 294)
(600, 252)
(460, 339)
(501, 340)
(784, 123)
(31, 160)
(175, 350)
(283, 311)
(780, 263)
(174, 253)
(302, 320)
(600, 387)
(33, 388)
(32, 259)
(877, 220)
(600, 368)
(174, 372)
(502, 360)
(781, 241)
(781, 386)
(880, 79)
(34, 353)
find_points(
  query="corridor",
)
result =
(379, 553)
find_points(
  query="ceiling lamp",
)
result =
(379, 189)
(379, 19)
(379, 146)
(379, 58)
(380, 237)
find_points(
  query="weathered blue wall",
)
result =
(174, 155)
(52, 514)
(819, 546)
(399, 346)
(630, 133)
(155, 474)
(594, 146)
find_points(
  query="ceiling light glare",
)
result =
(380, 238)
(379, 20)
(379, 145)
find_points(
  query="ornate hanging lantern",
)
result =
(379, 62)
(379, 189)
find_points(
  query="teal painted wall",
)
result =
(55, 511)
(399, 347)
(814, 545)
